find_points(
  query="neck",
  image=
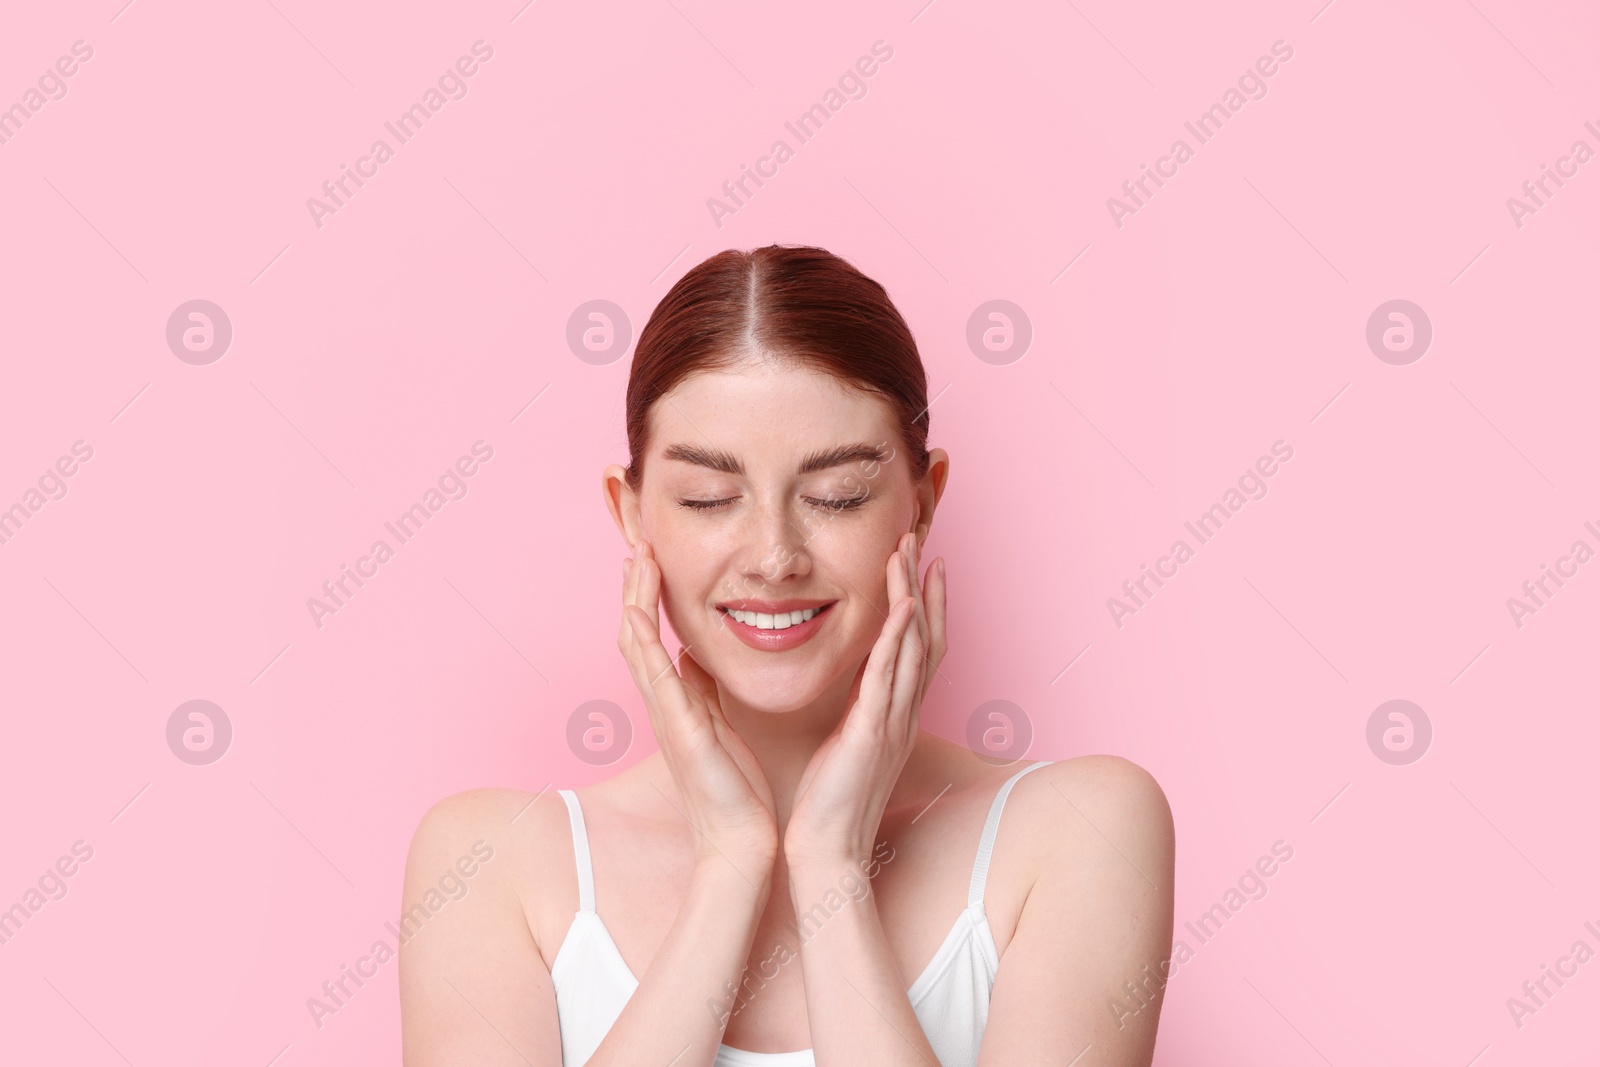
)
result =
(785, 742)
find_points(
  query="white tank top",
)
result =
(950, 997)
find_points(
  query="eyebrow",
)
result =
(822, 459)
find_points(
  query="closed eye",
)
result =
(840, 504)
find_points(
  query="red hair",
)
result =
(793, 302)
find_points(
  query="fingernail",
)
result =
(940, 565)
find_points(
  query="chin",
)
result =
(774, 689)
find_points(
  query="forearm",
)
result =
(670, 1017)
(855, 993)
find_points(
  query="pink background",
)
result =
(368, 354)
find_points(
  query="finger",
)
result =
(899, 586)
(635, 576)
(629, 644)
(659, 677)
(648, 594)
(926, 590)
(899, 580)
(701, 681)
(937, 600)
(624, 631)
(655, 699)
(877, 677)
(631, 651)
(916, 591)
(909, 672)
(634, 571)
(631, 596)
(908, 575)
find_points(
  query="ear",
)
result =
(622, 502)
(929, 490)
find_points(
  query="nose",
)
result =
(774, 548)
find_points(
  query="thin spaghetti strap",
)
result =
(980, 867)
(580, 851)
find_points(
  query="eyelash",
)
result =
(844, 504)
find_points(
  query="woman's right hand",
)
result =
(721, 788)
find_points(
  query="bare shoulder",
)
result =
(469, 812)
(1110, 785)
(1088, 803)
(508, 839)
(509, 817)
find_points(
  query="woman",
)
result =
(783, 881)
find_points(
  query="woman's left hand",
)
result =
(841, 797)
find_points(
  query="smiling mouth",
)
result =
(781, 620)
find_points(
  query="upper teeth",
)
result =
(780, 621)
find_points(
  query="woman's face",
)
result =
(771, 488)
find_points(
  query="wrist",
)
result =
(814, 877)
(747, 873)
(822, 893)
(825, 860)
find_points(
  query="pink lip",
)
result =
(774, 640)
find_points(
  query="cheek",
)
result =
(858, 555)
(686, 617)
(690, 582)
